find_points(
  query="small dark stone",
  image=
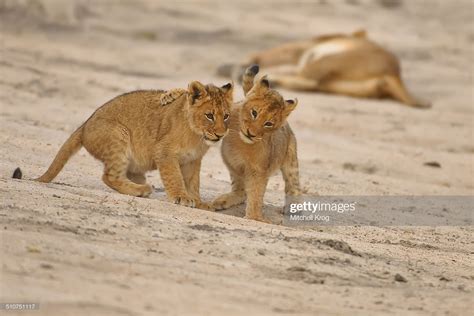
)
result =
(400, 278)
(433, 164)
(297, 269)
(17, 174)
(46, 266)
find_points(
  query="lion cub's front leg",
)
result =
(191, 171)
(235, 197)
(173, 182)
(255, 187)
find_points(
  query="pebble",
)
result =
(400, 278)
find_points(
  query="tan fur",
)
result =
(253, 152)
(337, 63)
(146, 130)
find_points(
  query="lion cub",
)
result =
(260, 142)
(134, 133)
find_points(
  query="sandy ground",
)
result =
(78, 248)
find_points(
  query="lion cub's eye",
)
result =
(226, 117)
(210, 117)
(254, 113)
(268, 124)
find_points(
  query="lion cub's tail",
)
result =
(68, 149)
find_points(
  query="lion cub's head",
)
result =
(209, 110)
(264, 110)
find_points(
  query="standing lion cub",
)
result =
(134, 133)
(259, 143)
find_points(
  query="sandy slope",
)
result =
(75, 245)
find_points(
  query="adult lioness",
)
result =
(134, 133)
(341, 64)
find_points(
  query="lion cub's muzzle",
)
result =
(214, 138)
(247, 137)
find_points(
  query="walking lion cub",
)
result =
(259, 143)
(134, 133)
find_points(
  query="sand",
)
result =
(79, 248)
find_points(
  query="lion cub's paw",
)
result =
(171, 95)
(218, 205)
(184, 200)
(205, 206)
(144, 191)
(259, 219)
(222, 202)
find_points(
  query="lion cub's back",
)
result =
(132, 112)
(129, 106)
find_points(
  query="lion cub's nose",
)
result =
(250, 134)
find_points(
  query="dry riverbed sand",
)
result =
(78, 248)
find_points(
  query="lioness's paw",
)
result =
(171, 95)
(185, 201)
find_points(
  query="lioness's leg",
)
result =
(235, 197)
(255, 187)
(173, 182)
(293, 82)
(368, 88)
(290, 172)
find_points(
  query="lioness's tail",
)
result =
(248, 78)
(69, 148)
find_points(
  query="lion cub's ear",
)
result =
(290, 105)
(261, 85)
(196, 91)
(228, 90)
